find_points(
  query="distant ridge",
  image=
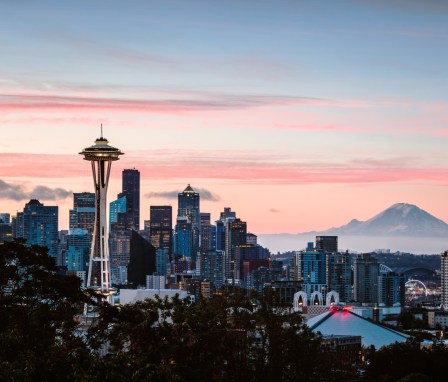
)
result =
(400, 219)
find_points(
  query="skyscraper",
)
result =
(131, 189)
(78, 248)
(188, 224)
(365, 282)
(116, 207)
(82, 216)
(5, 227)
(101, 156)
(206, 232)
(339, 274)
(236, 232)
(142, 260)
(40, 226)
(161, 227)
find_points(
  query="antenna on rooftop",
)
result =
(101, 130)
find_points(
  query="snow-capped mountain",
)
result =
(401, 219)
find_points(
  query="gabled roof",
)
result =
(349, 323)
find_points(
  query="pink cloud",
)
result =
(11, 103)
(244, 167)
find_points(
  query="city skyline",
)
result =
(298, 116)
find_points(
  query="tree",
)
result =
(405, 360)
(37, 328)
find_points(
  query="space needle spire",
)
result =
(101, 156)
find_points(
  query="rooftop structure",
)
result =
(344, 322)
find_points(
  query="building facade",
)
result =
(40, 226)
(131, 189)
(365, 279)
(391, 289)
(161, 228)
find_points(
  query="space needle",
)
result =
(101, 156)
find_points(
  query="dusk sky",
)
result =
(299, 115)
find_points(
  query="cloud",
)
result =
(163, 194)
(46, 193)
(17, 192)
(204, 195)
(273, 210)
(207, 195)
(12, 191)
(186, 103)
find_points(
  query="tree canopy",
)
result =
(224, 338)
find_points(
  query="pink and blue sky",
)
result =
(300, 115)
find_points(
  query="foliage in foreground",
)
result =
(217, 339)
(214, 339)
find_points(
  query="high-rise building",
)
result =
(82, 216)
(210, 266)
(101, 156)
(131, 189)
(78, 249)
(40, 226)
(142, 260)
(188, 224)
(183, 238)
(236, 231)
(365, 279)
(227, 214)
(116, 207)
(339, 274)
(310, 267)
(327, 243)
(5, 218)
(444, 276)
(391, 289)
(161, 227)
(206, 232)
(220, 235)
(162, 261)
(5, 227)
(17, 225)
(120, 241)
(248, 252)
(83, 199)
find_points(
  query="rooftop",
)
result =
(345, 322)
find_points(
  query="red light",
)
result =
(347, 308)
